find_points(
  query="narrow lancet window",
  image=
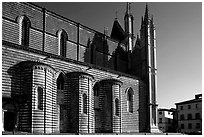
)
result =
(130, 100)
(62, 36)
(85, 103)
(60, 82)
(40, 98)
(117, 108)
(96, 96)
(24, 30)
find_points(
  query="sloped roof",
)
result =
(117, 31)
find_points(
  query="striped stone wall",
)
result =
(46, 51)
(25, 109)
(43, 36)
(63, 102)
(129, 122)
(80, 83)
(31, 118)
(39, 116)
(109, 91)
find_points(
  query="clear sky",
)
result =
(179, 40)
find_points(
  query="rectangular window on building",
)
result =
(160, 120)
(197, 116)
(189, 106)
(196, 105)
(182, 126)
(189, 126)
(181, 108)
(182, 117)
(189, 116)
(197, 125)
(160, 113)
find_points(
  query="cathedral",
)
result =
(59, 76)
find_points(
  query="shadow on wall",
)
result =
(98, 52)
(20, 85)
(143, 107)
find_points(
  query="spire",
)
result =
(142, 20)
(128, 19)
(152, 19)
(128, 11)
(146, 12)
(116, 15)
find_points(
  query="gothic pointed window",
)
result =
(60, 88)
(130, 94)
(85, 103)
(24, 30)
(62, 36)
(60, 82)
(117, 108)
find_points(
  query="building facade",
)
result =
(190, 115)
(61, 76)
(167, 121)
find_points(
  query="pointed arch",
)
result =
(24, 30)
(96, 89)
(62, 42)
(130, 99)
(60, 81)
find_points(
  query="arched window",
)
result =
(85, 103)
(130, 94)
(117, 107)
(60, 82)
(40, 98)
(24, 30)
(62, 36)
(96, 96)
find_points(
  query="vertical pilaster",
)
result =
(148, 40)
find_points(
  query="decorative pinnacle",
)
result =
(116, 14)
(152, 20)
(128, 10)
(146, 11)
(142, 20)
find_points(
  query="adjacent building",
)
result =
(190, 115)
(61, 76)
(167, 121)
